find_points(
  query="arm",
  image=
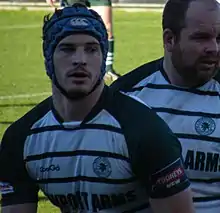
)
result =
(19, 192)
(170, 192)
(24, 208)
(164, 176)
(178, 203)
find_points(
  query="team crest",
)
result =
(205, 126)
(102, 167)
(79, 22)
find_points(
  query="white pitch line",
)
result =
(32, 26)
(14, 27)
(24, 96)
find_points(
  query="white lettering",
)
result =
(170, 177)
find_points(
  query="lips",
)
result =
(208, 65)
(78, 74)
(209, 62)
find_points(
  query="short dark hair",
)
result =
(174, 15)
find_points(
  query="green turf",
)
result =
(138, 40)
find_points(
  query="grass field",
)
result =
(138, 40)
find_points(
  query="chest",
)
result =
(183, 111)
(77, 157)
(87, 170)
(195, 120)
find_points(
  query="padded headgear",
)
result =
(68, 21)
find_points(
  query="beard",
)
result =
(69, 94)
(191, 72)
(76, 95)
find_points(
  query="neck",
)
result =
(174, 77)
(75, 110)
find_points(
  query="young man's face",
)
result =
(196, 54)
(77, 63)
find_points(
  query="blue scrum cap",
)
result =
(67, 21)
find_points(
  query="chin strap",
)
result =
(77, 97)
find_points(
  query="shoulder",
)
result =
(133, 77)
(133, 114)
(20, 127)
(13, 142)
(145, 132)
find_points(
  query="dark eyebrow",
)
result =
(66, 44)
(200, 33)
(92, 43)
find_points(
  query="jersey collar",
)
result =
(95, 110)
(101, 103)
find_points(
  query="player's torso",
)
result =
(85, 169)
(195, 118)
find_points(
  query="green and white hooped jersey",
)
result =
(112, 161)
(194, 116)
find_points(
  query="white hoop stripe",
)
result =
(7, 97)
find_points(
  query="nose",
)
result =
(212, 47)
(79, 57)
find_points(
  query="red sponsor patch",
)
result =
(175, 175)
(169, 178)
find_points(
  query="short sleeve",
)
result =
(157, 159)
(16, 187)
